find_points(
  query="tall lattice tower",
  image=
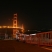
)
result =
(14, 25)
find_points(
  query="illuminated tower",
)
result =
(15, 21)
(14, 25)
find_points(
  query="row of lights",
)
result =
(8, 27)
(5, 26)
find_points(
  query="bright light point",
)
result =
(32, 34)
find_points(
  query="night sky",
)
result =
(34, 15)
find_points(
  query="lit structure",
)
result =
(9, 27)
(15, 26)
(15, 21)
(6, 27)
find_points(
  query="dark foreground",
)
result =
(15, 46)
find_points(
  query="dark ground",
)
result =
(15, 46)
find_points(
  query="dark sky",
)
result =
(34, 15)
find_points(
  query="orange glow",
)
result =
(15, 25)
(4, 26)
(0, 26)
(22, 28)
(9, 27)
